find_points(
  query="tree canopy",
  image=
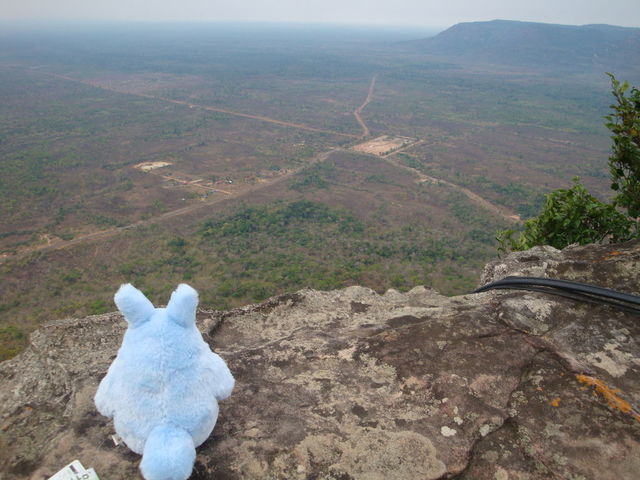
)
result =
(574, 215)
(624, 162)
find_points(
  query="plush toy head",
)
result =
(163, 387)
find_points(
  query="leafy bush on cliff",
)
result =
(574, 215)
(570, 216)
(624, 162)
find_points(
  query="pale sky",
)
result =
(434, 13)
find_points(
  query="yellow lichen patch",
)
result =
(610, 395)
(611, 255)
(555, 402)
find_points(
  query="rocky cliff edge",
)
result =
(350, 384)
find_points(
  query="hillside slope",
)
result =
(587, 47)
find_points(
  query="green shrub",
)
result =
(573, 215)
(12, 341)
(98, 306)
(624, 162)
(570, 216)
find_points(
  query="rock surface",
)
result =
(350, 384)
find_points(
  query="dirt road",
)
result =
(474, 197)
(358, 111)
(260, 118)
(58, 243)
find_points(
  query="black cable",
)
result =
(566, 284)
(577, 297)
(566, 288)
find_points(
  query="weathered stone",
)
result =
(350, 384)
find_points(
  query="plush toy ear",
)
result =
(182, 306)
(135, 307)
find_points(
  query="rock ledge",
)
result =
(350, 384)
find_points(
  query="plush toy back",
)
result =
(162, 389)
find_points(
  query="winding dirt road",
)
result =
(358, 111)
(474, 197)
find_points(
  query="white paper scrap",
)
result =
(70, 471)
(75, 471)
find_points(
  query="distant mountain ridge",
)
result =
(586, 47)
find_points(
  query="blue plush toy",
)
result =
(162, 390)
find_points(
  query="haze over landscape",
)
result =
(249, 153)
(403, 12)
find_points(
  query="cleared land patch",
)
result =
(384, 144)
(147, 166)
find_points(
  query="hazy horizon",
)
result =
(402, 13)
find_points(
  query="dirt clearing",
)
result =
(383, 145)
